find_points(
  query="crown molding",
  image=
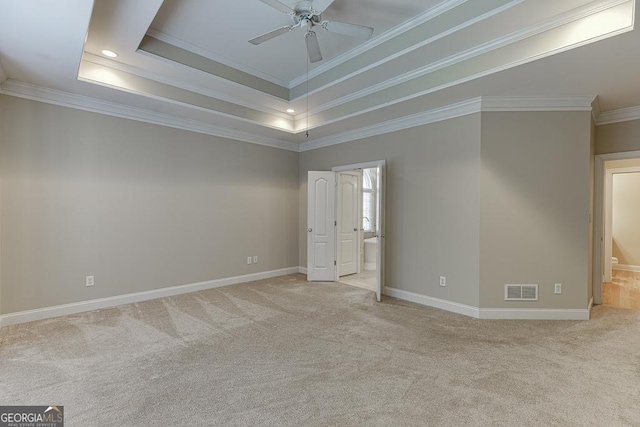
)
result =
(464, 108)
(595, 110)
(85, 103)
(432, 116)
(419, 19)
(139, 72)
(617, 116)
(536, 103)
(409, 49)
(550, 24)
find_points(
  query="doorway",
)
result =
(368, 236)
(617, 256)
(341, 244)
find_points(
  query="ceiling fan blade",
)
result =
(313, 48)
(353, 30)
(321, 5)
(278, 5)
(270, 35)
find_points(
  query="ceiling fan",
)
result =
(306, 15)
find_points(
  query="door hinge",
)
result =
(335, 262)
(335, 223)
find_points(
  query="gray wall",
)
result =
(618, 137)
(139, 206)
(485, 200)
(534, 207)
(432, 204)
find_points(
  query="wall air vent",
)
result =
(521, 292)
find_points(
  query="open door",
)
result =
(381, 227)
(321, 234)
(321, 223)
(348, 223)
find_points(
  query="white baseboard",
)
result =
(625, 267)
(492, 313)
(82, 306)
(535, 313)
(454, 307)
(302, 270)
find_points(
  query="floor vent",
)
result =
(521, 292)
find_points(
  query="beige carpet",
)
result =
(285, 352)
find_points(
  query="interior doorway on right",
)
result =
(621, 284)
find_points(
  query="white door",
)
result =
(381, 226)
(321, 234)
(348, 223)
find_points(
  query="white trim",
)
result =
(493, 313)
(626, 267)
(528, 32)
(536, 103)
(92, 73)
(302, 270)
(484, 104)
(454, 307)
(464, 108)
(419, 20)
(590, 306)
(535, 313)
(66, 99)
(96, 304)
(199, 89)
(617, 116)
(436, 115)
(364, 165)
(382, 38)
(596, 110)
(608, 217)
(598, 235)
(598, 217)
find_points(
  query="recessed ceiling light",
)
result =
(109, 53)
(291, 110)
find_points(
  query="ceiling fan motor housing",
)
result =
(305, 19)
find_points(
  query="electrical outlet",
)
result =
(248, 260)
(255, 259)
(443, 281)
(89, 281)
(557, 288)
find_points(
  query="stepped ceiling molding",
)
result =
(188, 63)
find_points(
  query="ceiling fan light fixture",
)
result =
(306, 15)
(109, 53)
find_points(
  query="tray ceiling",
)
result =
(189, 61)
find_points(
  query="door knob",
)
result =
(310, 230)
(355, 229)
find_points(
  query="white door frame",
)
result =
(381, 218)
(602, 202)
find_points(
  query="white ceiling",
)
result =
(187, 63)
(204, 26)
